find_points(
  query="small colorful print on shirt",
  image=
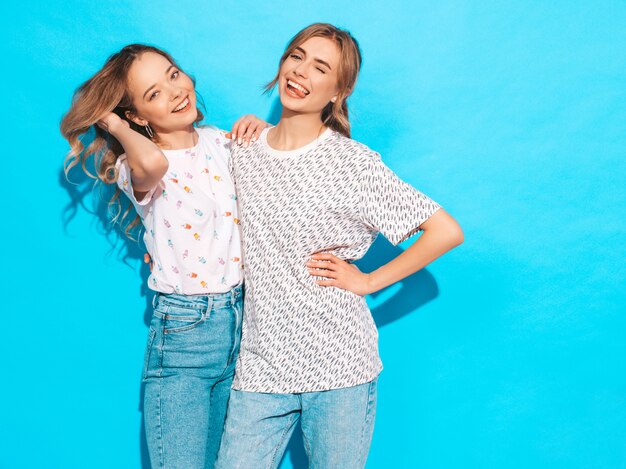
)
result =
(179, 234)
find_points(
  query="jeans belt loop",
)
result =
(209, 305)
(155, 299)
(233, 296)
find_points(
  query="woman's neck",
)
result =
(178, 139)
(294, 131)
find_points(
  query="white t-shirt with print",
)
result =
(334, 195)
(191, 219)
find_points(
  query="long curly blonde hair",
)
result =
(106, 91)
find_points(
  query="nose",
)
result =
(175, 93)
(301, 69)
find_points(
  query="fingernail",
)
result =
(239, 141)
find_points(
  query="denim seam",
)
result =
(307, 446)
(237, 339)
(223, 375)
(148, 353)
(280, 442)
(225, 298)
(207, 311)
(159, 363)
(171, 304)
(188, 327)
(235, 310)
(160, 428)
(368, 414)
(177, 317)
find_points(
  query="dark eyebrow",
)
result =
(323, 63)
(316, 59)
(166, 72)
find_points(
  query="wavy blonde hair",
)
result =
(106, 91)
(334, 115)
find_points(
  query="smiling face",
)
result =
(162, 94)
(307, 79)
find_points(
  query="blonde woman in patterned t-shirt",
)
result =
(310, 199)
(176, 177)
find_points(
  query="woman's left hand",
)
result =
(247, 129)
(339, 273)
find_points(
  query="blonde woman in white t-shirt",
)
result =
(311, 199)
(143, 107)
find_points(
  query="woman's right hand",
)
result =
(247, 129)
(110, 122)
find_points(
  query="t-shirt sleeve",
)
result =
(391, 206)
(124, 182)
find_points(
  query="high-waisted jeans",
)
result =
(188, 370)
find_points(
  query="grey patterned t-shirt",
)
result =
(333, 195)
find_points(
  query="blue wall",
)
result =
(509, 352)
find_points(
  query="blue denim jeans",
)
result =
(189, 366)
(337, 427)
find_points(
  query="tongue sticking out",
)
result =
(296, 91)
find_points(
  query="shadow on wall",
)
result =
(93, 199)
(85, 196)
(388, 305)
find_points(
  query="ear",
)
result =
(136, 119)
(333, 99)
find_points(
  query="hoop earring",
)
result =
(149, 131)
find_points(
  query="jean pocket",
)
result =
(178, 319)
(148, 353)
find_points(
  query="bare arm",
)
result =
(441, 234)
(147, 162)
